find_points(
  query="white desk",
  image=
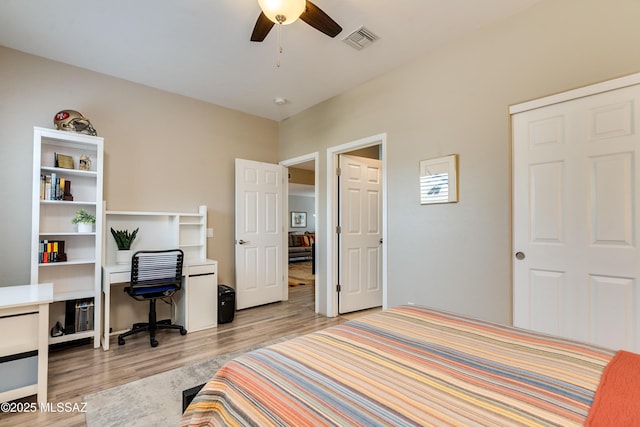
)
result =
(24, 329)
(196, 303)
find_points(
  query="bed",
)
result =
(412, 365)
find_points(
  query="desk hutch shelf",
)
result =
(159, 230)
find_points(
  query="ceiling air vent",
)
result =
(360, 38)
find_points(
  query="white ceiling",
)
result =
(201, 48)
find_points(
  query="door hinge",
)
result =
(338, 287)
(338, 229)
(338, 171)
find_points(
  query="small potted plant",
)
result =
(84, 220)
(124, 239)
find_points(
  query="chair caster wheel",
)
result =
(183, 331)
(120, 341)
(154, 343)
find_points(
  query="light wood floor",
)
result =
(78, 371)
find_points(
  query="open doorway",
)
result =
(302, 228)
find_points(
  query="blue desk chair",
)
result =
(154, 275)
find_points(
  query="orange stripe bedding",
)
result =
(407, 366)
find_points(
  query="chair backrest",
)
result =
(156, 271)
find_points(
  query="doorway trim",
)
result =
(316, 179)
(332, 216)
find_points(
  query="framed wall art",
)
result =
(298, 219)
(439, 180)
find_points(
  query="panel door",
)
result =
(259, 233)
(576, 258)
(360, 219)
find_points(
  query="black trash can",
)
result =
(226, 304)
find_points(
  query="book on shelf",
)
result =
(51, 251)
(53, 190)
(53, 187)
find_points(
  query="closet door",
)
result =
(575, 211)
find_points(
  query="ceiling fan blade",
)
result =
(319, 20)
(262, 28)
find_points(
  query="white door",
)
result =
(576, 258)
(259, 233)
(360, 238)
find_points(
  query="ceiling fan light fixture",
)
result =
(282, 11)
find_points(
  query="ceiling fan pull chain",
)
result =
(279, 45)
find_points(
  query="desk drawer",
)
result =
(120, 277)
(18, 333)
(18, 373)
(196, 270)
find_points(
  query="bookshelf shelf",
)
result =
(79, 277)
(64, 202)
(71, 262)
(66, 233)
(71, 337)
(69, 172)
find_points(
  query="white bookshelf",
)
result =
(79, 277)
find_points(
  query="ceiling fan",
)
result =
(285, 12)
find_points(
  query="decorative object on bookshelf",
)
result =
(57, 330)
(85, 163)
(73, 121)
(66, 191)
(124, 239)
(63, 161)
(83, 315)
(84, 220)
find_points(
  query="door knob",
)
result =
(244, 242)
(520, 256)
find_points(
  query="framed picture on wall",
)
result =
(439, 180)
(298, 219)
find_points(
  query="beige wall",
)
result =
(166, 152)
(163, 152)
(455, 100)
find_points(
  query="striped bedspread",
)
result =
(406, 366)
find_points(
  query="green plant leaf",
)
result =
(123, 238)
(83, 216)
